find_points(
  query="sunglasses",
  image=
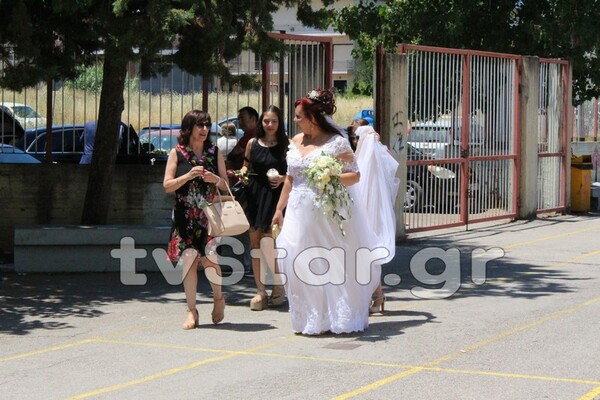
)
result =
(205, 125)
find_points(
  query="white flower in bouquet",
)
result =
(332, 196)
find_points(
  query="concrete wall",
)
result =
(53, 194)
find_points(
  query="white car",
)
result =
(24, 114)
(440, 139)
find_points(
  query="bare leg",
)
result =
(190, 260)
(214, 276)
(378, 300)
(269, 254)
(258, 302)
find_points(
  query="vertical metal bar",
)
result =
(595, 117)
(466, 86)
(204, 93)
(516, 131)
(329, 65)
(266, 83)
(282, 83)
(379, 86)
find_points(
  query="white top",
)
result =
(226, 144)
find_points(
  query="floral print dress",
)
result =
(190, 225)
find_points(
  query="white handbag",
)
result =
(226, 217)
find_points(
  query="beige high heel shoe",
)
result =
(377, 305)
(192, 325)
(259, 302)
(218, 312)
(277, 296)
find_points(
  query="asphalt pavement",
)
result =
(513, 313)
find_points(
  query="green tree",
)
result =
(49, 40)
(546, 28)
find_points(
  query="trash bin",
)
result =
(581, 186)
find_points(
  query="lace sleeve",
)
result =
(343, 151)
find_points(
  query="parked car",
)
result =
(436, 188)
(26, 116)
(12, 155)
(426, 185)
(67, 143)
(160, 127)
(442, 138)
(158, 143)
(216, 126)
(10, 128)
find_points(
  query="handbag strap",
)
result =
(228, 190)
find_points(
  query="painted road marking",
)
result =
(171, 371)
(473, 347)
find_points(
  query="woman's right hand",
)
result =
(277, 218)
(195, 172)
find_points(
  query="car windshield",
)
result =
(431, 134)
(158, 142)
(25, 112)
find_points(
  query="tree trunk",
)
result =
(106, 144)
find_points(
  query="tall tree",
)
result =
(546, 28)
(47, 40)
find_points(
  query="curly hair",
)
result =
(191, 119)
(318, 104)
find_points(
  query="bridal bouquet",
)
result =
(332, 197)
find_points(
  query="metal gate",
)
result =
(553, 106)
(462, 142)
(304, 65)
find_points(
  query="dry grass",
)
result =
(143, 109)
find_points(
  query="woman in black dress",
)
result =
(264, 153)
(195, 170)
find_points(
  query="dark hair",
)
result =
(282, 140)
(319, 103)
(191, 119)
(250, 111)
(360, 122)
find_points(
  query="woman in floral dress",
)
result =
(195, 170)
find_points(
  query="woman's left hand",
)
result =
(277, 182)
(209, 177)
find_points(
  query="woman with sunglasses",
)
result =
(195, 170)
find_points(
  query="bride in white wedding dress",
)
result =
(327, 288)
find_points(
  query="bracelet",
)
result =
(218, 181)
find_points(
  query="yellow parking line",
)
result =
(543, 239)
(377, 384)
(593, 395)
(169, 371)
(149, 378)
(574, 259)
(355, 362)
(473, 347)
(66, 346)
(510, 375)
(46, 350)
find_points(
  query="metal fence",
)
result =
(552, 135)
(585, 126)
(462, 141)
(160, 102)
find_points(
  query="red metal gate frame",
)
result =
(326, 43)
(465, 160)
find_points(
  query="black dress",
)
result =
(262, 199)
(190, 225)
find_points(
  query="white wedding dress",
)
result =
(378, 188)
(327, 289)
